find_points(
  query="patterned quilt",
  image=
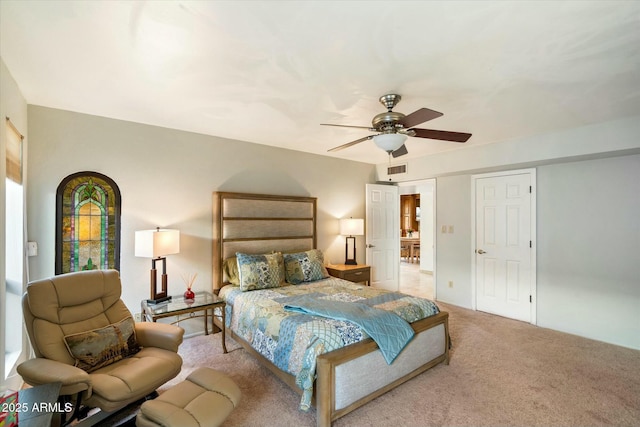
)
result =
(291, 340)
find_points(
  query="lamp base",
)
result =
(350, 251)
(158, 300)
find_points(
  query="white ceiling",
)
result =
(270, 72)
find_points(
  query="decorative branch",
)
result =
(189, 279)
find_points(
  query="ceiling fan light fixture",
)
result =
(390, 142)
(394, 128)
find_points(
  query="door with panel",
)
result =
(383, 235)
(504, 246)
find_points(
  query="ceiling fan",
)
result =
(393, 128)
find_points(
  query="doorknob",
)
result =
(480, 251)
(370, 246)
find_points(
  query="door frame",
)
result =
(474, 179)
(434, 185)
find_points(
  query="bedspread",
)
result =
(292, 341)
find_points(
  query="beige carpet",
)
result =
(502, 373)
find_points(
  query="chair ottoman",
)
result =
(205, 398)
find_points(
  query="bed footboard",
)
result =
(344, 382)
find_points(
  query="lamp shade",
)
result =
(157, 243)
(352, 226)
(390, 142)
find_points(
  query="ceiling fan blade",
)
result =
(400, 151)
(349, 144)
(442, 135)
(348, 126)
(419, 116)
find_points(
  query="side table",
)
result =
(352, 273)
(204, 301)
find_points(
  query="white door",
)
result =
(383, 235)
(504, 254)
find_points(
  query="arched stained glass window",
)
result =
(87, 223)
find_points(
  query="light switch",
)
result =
(451, 229)
(444, 229)
(32, 249)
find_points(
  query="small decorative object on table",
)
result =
(188, 280)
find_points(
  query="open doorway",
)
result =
(417, 238)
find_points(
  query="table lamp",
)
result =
(157, 244)
(351, 227)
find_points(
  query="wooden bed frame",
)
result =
(259, 223)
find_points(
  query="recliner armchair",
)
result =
(86, 307)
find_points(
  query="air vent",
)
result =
(394, 170)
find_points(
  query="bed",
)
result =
(264, 227)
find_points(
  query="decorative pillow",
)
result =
(305, 267)
(230, 268)
(260, 271)
(101, 347)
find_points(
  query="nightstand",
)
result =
(352, 273)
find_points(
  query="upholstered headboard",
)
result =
(258, 224)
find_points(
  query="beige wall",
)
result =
(589, 249)
(587, 246)
(167, 178)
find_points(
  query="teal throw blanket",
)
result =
(391, 332)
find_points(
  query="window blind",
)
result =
(14, 153)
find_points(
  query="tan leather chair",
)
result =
(204, 399)
(64, 306)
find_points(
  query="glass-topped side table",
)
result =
(204, 301)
